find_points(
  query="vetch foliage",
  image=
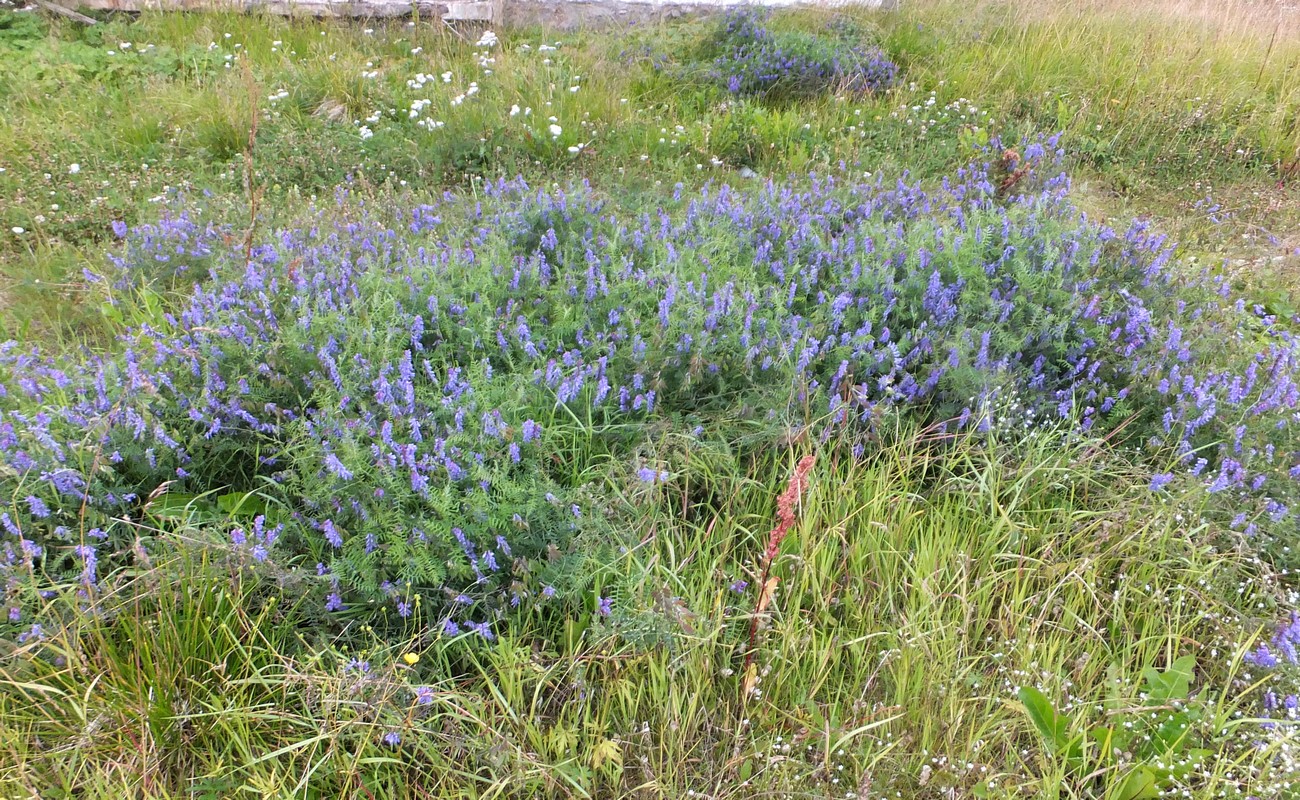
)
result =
(404, 406)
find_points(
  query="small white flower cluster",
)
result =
(470, 92)
(417, 106)
(928, 115)
(125, 48)
(424, 101)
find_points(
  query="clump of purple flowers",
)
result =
(747, 57)
(405, 389)
(1281, 655)
(1282, 648)
(258, 541)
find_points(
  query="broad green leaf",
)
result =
(1174, 683)
(1171, 734)
(242, 504)
(1053, 727)
(181, 507)
(1139, 784)
(1180, 675)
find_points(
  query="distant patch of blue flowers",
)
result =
(749, 58)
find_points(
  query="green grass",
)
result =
(919, 591)
(923, 585)
(1158, 113)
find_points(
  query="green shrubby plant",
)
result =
(1138, 749)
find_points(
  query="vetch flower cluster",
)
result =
(396, 388)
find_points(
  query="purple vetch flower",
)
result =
(450, 628)
(333, 602)
(393, 739)
(1283, 646)
(482, 629)
(89, 562)
(331, 534)
(1261, 657)
(647, 475)
(531, 430)
(423, 695)
(1160, 481)
(739, 586)
(605, 606)
(38, 507)
(336, 467)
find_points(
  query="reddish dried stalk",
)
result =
(787, 514)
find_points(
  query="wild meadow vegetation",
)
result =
(816, 404)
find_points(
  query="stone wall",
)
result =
(556, 14)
